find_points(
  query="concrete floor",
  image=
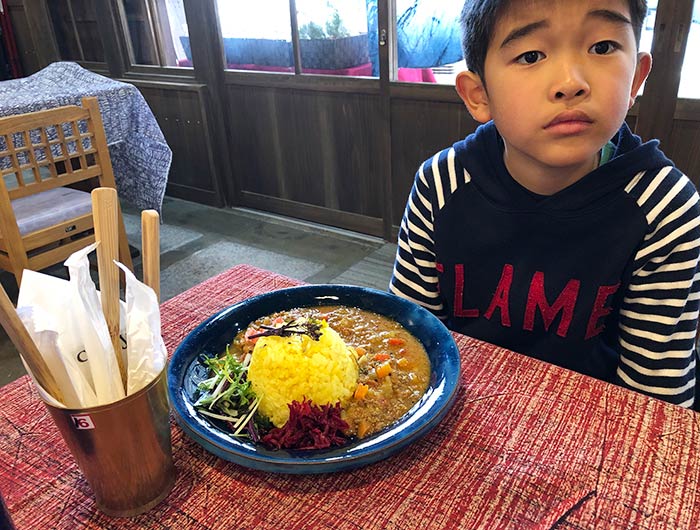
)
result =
(198, 242)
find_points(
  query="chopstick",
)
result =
(104, 212)
(25, 345)
(150, 249)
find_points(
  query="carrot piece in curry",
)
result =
(362, 428)
(404, 363)
(361, 391)
(383, 369)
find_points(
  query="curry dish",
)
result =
(393, 366)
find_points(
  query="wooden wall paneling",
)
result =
(25, 44)
(419, 129)
(303, 146)
(64, 28)
(181, 114)
(329, 151)
(275, 144)
(85, 14)
(113, 40)
(212, 172)
(310, 155)
(199, 161)
(362, 167)
(208, 59)
(314, 148)
(34, 34)
(255, 142)
(683, 148)
(317, 214)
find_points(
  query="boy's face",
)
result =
(560, 76)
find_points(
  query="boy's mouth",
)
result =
(570, 121)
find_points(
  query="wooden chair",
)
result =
(47, 159)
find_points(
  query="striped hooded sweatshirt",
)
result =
(601, 277)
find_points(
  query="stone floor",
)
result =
(198, 242)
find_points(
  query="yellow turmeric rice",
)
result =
(285, 369)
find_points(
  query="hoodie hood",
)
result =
(491, 177)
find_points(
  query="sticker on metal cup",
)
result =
(82, 421)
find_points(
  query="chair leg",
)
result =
(19, 261)
(18, 276)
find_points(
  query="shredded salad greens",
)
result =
(227, 395)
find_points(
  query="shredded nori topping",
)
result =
(299, 326)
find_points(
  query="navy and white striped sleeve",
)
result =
(415, 274)
(659, 314)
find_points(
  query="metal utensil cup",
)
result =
(5, 519)
(123, 449)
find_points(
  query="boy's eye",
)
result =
(604, 47)
(529, 57)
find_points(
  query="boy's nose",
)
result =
(570, 83)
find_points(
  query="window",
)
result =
(429, 42)
(75, 26)
(690, 76)
(648, 26)
(647, 35)
(157, 31)
(333, 36)
(256, 35)
(339, 37)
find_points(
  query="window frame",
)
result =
(100, 65)
(660, 105)
(119, 63)
(387, 82)
(156, 36)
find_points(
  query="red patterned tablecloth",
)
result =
(526, 446)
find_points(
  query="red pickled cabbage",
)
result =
(309, 427)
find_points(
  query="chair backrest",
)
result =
(39, 153)
(52, 148)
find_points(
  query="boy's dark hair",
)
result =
(479, 18)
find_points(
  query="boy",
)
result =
(553, 230)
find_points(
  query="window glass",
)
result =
(158, 32)
(429, 47)
(175, 33)
(333, 37)
(690, 74)
(648, 26)
(256, 35)
(647, 36)
(75, 27)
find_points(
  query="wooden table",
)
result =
(527, 446)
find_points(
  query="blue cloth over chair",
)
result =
(140, 155)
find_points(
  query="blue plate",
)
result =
(212, 336)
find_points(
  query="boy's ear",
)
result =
(640, 74)
(471, 89)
